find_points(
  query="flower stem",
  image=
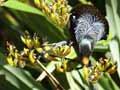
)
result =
(54, 81)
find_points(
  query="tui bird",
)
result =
(87, 26)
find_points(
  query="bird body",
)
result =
(87, 26)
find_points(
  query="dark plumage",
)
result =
(87, 26)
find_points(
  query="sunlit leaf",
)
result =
(21, 6)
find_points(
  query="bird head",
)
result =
(87, 26)
(86, 46)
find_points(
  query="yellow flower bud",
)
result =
(67, 50)
(26, 51)
(47, 47)
(112, 70)
(27, 40)
(36, 41)
(29, 43)
(47, 56)
(85, 72)
(39, 50)
(32, 56)
(37, 3)
(61, 66)
(10, 61)
(53, 17)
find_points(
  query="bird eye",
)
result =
(74, 17)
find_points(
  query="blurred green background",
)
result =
(16, 16)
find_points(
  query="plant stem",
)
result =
(54, 81)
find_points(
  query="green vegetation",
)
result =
(31, 54)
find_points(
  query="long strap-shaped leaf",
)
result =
(48, 29)
(19, 78)
(113, 16)
(14, 4)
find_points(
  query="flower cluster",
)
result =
(35, 49)
(57, 10)
(101, 66)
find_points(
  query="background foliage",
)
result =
(16, 16)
